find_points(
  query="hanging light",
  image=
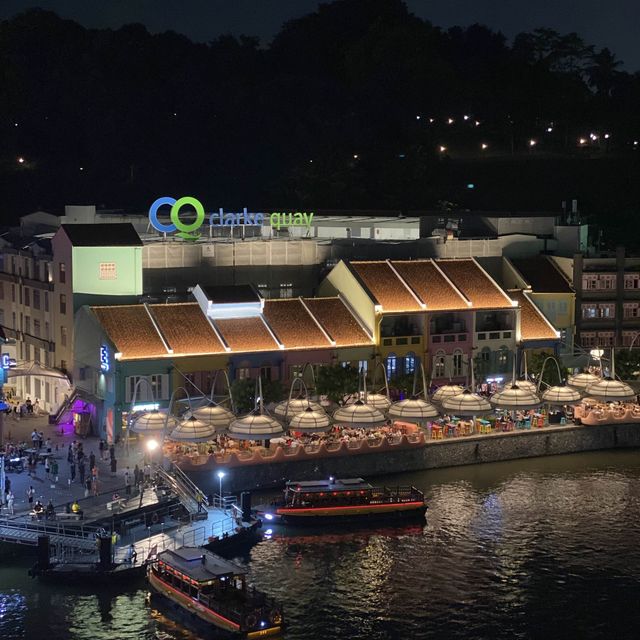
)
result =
(466, 403)
(513, 398)
(310, 421)
(582, 380)
(255, 426)
(359, 414)
(560, 394)
(152, 422)
(193, 430)
(446, 391)
(413, 410)
(289, 408)
(215, 415)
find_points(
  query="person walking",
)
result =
(112, 452)
(47, 467)
(87, 487)
(54, 470)
(70, 454)
(31, 492)
(101, 449)
(127, 482)
(114, 466)
(81, 471)
(137, 476)
(92, 461)
(72, 471)
(10, 500)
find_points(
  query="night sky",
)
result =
(612, 24)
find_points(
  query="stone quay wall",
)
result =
(436, 454)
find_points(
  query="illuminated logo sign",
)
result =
(7, 362)
(104, 358)
(220, 218)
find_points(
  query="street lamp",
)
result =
(221, 475)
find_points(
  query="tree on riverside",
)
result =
(337, 382)
(534, 366)
(244, 393)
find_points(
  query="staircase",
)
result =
(188, 493)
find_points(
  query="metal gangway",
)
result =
(190, 495)
(65, 538)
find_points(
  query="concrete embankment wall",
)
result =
(434, 455)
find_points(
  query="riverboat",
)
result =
(214, 590)
(311, 501)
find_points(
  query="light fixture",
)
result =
(466, 117)
(417, 117)
(532, 142)
(450, 120)
(355, 156)
(549, 129)
(582, 141)
(477, 123)
(20, 160)
(484, 146)
(606, 136)
(442, 148)
(152, 445)
(582, 380)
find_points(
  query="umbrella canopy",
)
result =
(467, 404)
(152, 422)
(359, 414)
(527, 385)
(310, 421)
(377, 400)
(582, 380)
(446, 391)
(513, 398)
(413, 410)
(289, 408)
(255, 426)
(193, 430)
(215, 415)
(560, 395)
(610, 390)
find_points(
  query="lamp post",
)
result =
(221, 475)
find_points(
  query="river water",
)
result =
(544, 548)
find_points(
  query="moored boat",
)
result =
(214, 590)
(338, 500)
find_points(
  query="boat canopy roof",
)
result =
(346, 484)
(199, 564)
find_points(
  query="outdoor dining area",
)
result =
(197, 431)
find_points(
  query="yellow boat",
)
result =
(214, 590)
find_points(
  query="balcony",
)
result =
(483, 336)
(449, 337)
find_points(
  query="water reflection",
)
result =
(543, 548)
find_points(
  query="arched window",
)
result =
(458, 366)
(410, 362)
(439, 365)
(392, 365)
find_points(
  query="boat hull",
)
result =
(351, 513)
(190, 606)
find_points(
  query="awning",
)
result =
(31, 368)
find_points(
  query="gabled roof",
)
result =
(131, 330)
(431, 286)
(186, 329)
(102, 235)
(246, 334)
(385, 286)
(182, 329)
(293, 325)
(337, 321)
(533, 323)
(542, 275)
(475, 284)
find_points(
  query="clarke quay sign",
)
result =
(220, 218)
